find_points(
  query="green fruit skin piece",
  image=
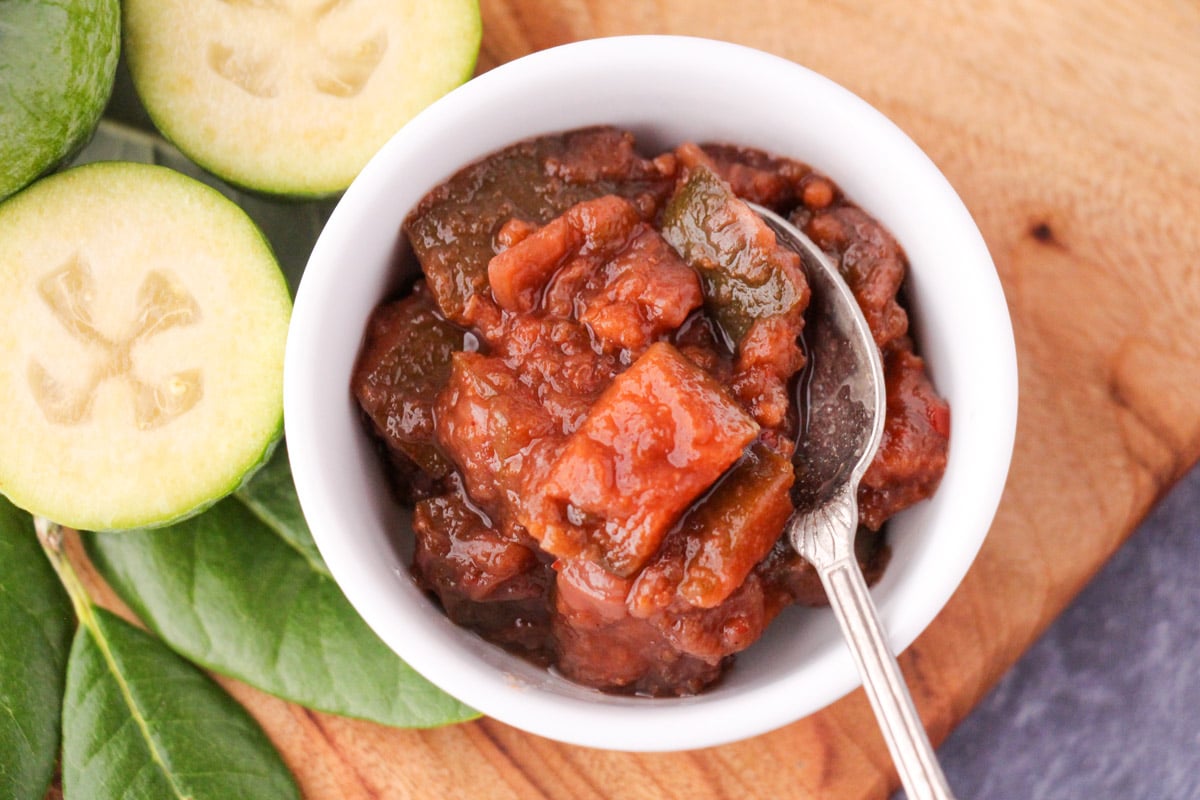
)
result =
(140, 723)
(190, 136)
(199, 585)
(36, 622)
(58, 62)
(740, 280)
(192, 194)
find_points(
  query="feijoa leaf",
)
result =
(272, 497)
(237, 590)
(36, 622)
(140, 723)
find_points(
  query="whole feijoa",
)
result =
(58, 60)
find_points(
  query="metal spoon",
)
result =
(845, 414)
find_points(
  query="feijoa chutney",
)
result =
(592, 395)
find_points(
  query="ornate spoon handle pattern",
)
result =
(825, 538)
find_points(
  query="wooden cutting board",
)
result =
(1072, 131)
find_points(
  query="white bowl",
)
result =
(666, 90)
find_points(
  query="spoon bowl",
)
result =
(842, 423)
(843, 399)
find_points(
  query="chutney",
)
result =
(592, 395)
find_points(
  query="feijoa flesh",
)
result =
(143, 318)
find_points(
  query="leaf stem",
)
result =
(50, 537)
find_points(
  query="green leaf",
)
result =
(35, 636)
(239, 590)
(272, 496)
(141, 723)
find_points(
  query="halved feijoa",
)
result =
(142, 326)
(58, 59)
(294, 96)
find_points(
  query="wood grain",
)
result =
(1072, 131)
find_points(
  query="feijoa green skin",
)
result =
(58, 60)
(733, 251)
(736, 525)
(719, 541)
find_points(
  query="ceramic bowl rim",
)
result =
(760, 695)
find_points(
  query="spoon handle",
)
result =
(902, 729)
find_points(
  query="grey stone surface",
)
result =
(1107, 703)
